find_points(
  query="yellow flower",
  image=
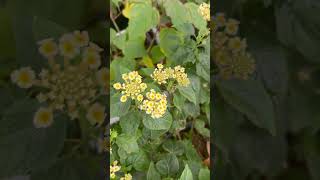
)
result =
(232, 27)
(143, 86)
(93, 48)
(67, 46)
(140, 97)
(96, 114)
(236, 44)
(160, 66)
(81, 39)
(93, 59)
(133, 85)
(220, 19)
(204, 10)
(117, 86)
(123, 98)
(43, 118)
(103, 77)
(155, 104)
(23, 77)
(126, 177)
(48, 48)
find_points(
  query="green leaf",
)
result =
(134, 48)
(179, 101)
(190, 151)
(200, 127)
(203, 66)
(177, 12)
(128, 143)
(162, 123)
(118, 108)
(43, 29)
(186, 174)
(140, 161)
(204, 174)
(169, 165)
(143, 17)
(250, 98)
(195, 17)
(152, 173)
(130, 123)
(7, 44)
(173, 147)
(119, 40)
(36, 148)
(71, 169)
(170, 41)
(188, 93)
(156, 54)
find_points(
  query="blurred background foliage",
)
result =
(24, 150)
(284, 38)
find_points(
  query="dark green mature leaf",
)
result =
(69, 169)
(152, 173)
(297, 25)
(139, 160)
(174, 147)
(190, 151)
(163, 123)
(128, 143)
(170, 41)
(200, 127)
(250, 152)
(7, 43)
(189, 93)
(36, 147)
(43, 29)
(130, 123)
(178, 101)
(250, 98)
(169, 165)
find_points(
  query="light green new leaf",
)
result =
(152, 173)
(186, 174)
(163, 123)
(204, 174)
(143, 17)
(177, 12)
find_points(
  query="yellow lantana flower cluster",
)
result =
(161, 75)
(67, 86)
(155, 104)
(132, 87)
(204, 10)
(114, 167)
(229, 50)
